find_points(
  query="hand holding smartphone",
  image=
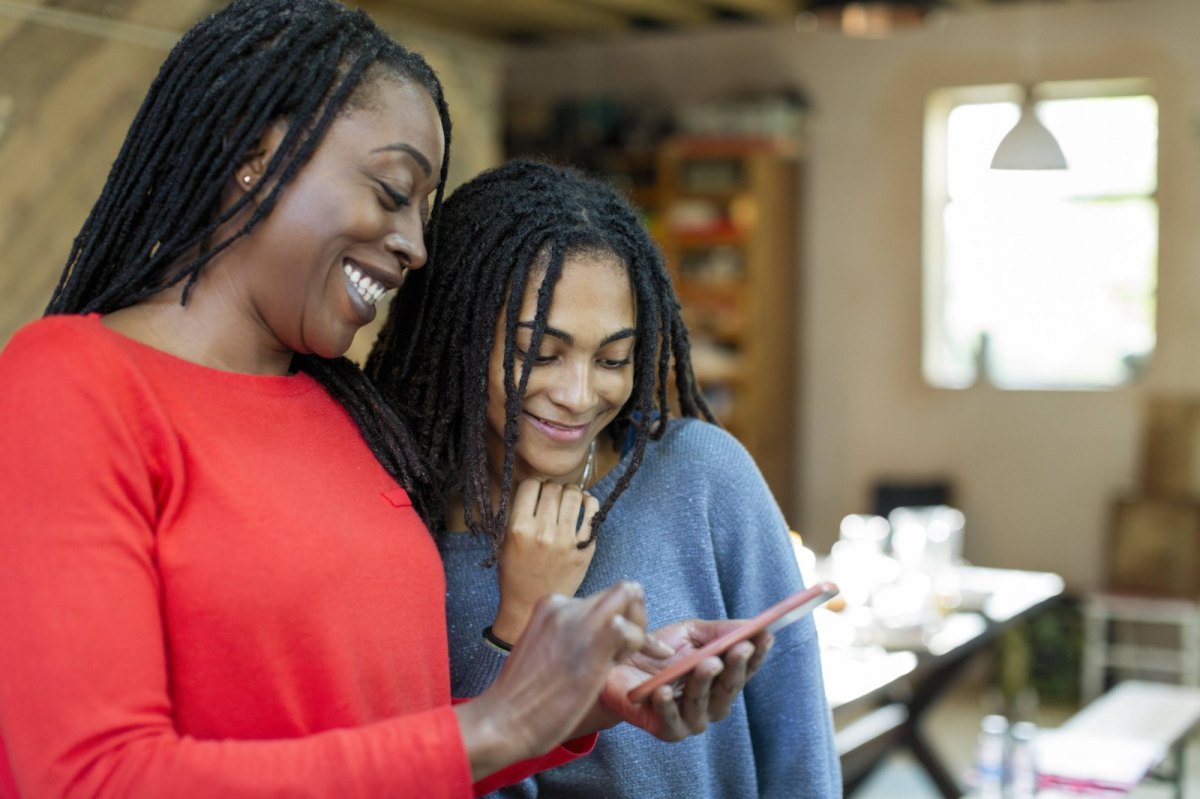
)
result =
(779, 615)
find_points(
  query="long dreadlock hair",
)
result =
(234, 73)
(508, 226)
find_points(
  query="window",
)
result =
(1041, 279)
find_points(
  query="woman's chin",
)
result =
(556, 473)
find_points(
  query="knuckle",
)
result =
(522, 521)
(551, 607)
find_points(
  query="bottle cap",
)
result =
(994, 724)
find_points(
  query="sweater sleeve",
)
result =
(85, 704)
(526, 768)
(794, 752)
(476, 666)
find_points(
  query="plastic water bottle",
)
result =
(1022, 762)
(989, 757)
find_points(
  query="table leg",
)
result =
(1179, 755)
(924, 695)
(946, 784)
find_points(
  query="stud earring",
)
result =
(246, 179)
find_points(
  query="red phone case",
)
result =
(800, 604)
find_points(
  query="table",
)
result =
(901, 683)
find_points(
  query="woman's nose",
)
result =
(409, 249)
(573, 390)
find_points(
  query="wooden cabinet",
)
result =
(727, 222)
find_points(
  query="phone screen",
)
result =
(779, 615)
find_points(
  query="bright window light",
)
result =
(1040, 279)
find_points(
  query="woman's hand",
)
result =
(707, 693)
(540, 554)
(554, 675)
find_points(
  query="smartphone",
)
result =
(779, 615)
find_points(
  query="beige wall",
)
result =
(1034, 471)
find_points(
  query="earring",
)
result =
(589, 467)
(246, 179)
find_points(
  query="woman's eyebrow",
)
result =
(569, 340)
(623, 333)
(416, 154)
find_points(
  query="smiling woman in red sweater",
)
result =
(213, 579)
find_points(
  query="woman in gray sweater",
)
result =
(536, 369)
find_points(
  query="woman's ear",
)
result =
(254, 165)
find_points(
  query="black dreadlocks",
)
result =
(233, 74)
(507, 226)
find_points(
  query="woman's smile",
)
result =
(556, 430)
(366, 286)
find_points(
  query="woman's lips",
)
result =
(360, 300)
(555, 431)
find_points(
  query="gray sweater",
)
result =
(698, 528)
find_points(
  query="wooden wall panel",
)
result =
(73, 96)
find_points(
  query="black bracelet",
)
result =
(499, 643)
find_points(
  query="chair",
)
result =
(1127, 633)
(1146, 620)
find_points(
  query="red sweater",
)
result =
(208, 587)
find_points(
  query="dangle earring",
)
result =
(589, 467)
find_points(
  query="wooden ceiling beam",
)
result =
(514, 16)
(567, 19)
(676, 12)
(395, 15)
(766, 9)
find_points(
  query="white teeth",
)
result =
(368, 288)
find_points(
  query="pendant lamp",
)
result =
(870, 19)
(1029, 145)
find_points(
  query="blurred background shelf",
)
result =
(729, 208)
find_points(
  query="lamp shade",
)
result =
(871, 19)
(1029, 145)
